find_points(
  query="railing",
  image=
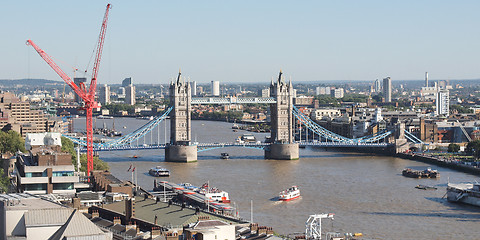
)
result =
(412, 138)
(233, 100)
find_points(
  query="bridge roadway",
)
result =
(233, 100)
(261, 146)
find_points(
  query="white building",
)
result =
(443, 103)
(211, 230)
(42, 139)
(378, 115)
(266, 92)
(322, 90)
(319, 114)
(29, 217)
(215, 88)
(337, 93)
(377, 86)
(130, 94)
(426, 79)
(104, 94)
(194, 88)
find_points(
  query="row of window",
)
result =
(43, 186)
(54, 174)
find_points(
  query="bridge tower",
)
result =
(179, 149)
(282, 146)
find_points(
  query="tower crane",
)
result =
(87, 96)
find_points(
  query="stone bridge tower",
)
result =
(179, 149)
(282, 146)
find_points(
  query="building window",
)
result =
(63, 186)
(35, 187)
(35, 174)
(62, 174)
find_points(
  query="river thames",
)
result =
(366, 192)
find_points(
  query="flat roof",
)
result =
(166, 215)
(23, 201)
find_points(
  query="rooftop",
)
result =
(172, 215)
(25, 201)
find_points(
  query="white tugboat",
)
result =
(289, 194)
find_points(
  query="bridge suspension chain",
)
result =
(322, 132)
(129, 138)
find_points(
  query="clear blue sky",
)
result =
(245, 41)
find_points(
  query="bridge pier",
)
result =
(282, 151)
(181, 153)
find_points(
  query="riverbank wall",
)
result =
(448, 163)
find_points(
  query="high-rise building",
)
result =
(121, 92)
(387, 89)
(443, 103)
(194, 88)
(104, 94)
(130, 94)
(77, 82)
(126, 82)
(265, 92)
(426, 79)
(337, 93)
(322, 91)
(442, 84)
(377, 87)
(215, 88)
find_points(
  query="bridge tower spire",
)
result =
(180, 148)
(282, 146)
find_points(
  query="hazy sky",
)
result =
(245, 41)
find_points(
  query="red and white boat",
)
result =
(289, 194)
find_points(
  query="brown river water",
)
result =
(366, 192)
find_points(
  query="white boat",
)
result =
(248, 138)
(289, 194)
(464, 192)
(214, 194)
(104, 117)
(159, 172)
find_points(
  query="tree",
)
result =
(4, 182)
(97, 163)
(452, 147)
(67, 146)
(459, 109)
(473, 148)
(11, 142)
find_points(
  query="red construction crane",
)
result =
(87, 97)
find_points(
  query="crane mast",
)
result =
(87, 97)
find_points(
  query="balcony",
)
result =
(33, 180)
(65, 179)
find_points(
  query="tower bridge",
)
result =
(284, 116)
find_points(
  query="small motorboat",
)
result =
(159, 172)
(225, 155)
(134, 156)
(425, 187)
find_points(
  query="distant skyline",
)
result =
(244, 41)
